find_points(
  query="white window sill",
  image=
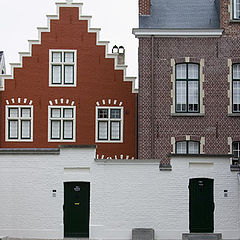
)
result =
(110, 141)
(65, 140)
(234, 115)
(62, 85)
(234, 21)
(19, 140)
(187, 114)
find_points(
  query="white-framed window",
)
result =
(109, 124)
(61, 123)
(236, 9)
(62, 68)
(187, 147)
(236, 153)
(19, 123)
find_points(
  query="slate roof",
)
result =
(170, 14)
(1, 54)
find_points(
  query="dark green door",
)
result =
(76, 209)
(201, 205)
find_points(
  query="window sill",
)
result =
(19, 140)
(187, 114)
(234, 21)
(99, 141)
(234, 115)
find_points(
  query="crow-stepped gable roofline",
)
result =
(186, 14)
(69, 3)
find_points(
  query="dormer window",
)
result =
(236, 9)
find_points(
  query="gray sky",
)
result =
(19, 20)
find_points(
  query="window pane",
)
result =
(115, 113)
(68, 74)
(115, 130)
(236, 71)
(192, 71)
(57, 57)
(193, 147)
(13, 112)
(69, 57)
(181, 147)
(181, 96)
(13, 129)
(193, 96)
(236, 9)
(181, 71)
(25, 129)
(236, 150)
(55, 112)
(56, 74)
(102, 113)
(102, 130)
(25, 112)
(55, 129)
(236, 92)
(68, 113)
(68, 129)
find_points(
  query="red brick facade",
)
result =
(216, 125)
(97, 83)
(144, 7)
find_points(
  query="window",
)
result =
(236, 153)
(109, 124)
(236, 88)
(61, 124)
(62, 67)
(236, 9)
(19, 123)
(187, 147)
(187, 88)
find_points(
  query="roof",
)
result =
(170, 14)
(1, 54)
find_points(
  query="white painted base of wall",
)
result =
(125, 194)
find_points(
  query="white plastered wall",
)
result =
(125, 194)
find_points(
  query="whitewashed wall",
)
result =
(125, 194)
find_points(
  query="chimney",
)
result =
(120, 52)
(144, 7)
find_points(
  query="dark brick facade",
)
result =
(216, 125)
(144, 7)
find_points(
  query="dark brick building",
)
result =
(189, 78)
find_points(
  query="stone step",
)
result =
(201, 236)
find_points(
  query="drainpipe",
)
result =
(152, 103)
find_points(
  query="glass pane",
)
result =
(102, 113)
(69, 57)
(68, 74)
(181, 96)
(181, 71)
(236, 150)
(115, 113)
(193, 96)
(192, 71)
(236, 92)
(56, 74)
(236, 9)
(115, 130)
(25, 112)
(236, 71)
(181, 147)
(68, 129)
(55, 112)
(57, 57)
(13, 112)
(103, 130)
(25, 129)
(55, 129)
(68, 113)
(193, 147)
(13, 129)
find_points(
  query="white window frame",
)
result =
(19, 118)
(62, 119)
(62, 63)
(235, 10)
(109, 129)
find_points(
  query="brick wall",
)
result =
(144, 7)
(216, 126)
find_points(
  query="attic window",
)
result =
(236, 9)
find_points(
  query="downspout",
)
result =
(152, 103)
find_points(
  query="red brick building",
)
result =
(69, 90)
(189, 72)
